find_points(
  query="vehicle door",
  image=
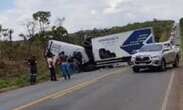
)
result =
(172, 53)
(167, 53)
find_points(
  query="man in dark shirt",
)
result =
(33, 69)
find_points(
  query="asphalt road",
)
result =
(13, 99)
(119, 89)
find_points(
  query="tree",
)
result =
(59, 21)
(0, 28)
(4, 33)
(10, 34)
(23, 36)
(31, 28)
(59, 33)
(181, 32)
(7, 33)
(7, 46)
(42, 17)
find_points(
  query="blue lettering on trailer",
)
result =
(136, 40)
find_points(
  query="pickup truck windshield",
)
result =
(150, 48)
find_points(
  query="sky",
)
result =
(88, 14)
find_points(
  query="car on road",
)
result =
(155, 55)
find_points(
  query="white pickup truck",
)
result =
(156, 55)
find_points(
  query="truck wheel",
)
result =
(176, 62)
(163, 65)
(136, 70)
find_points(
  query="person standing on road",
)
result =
(79, 57)
(70, 62)
(33, 69)
(64, 65)
(75, 63)
(50, 61)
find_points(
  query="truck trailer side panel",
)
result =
(119, 47)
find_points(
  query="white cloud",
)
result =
(84, 14)
(93, 12)
(114, 6)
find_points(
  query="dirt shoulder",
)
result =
(179, 80)
(175, 101)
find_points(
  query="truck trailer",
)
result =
(116, 48)
(58, 46)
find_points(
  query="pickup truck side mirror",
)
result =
(166, 49)
(178, 45)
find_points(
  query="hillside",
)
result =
(161, 30)
(14, 70)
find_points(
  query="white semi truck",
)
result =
(116, 48)
(107, 50)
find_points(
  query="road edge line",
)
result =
(168, 91)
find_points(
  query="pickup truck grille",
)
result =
(142, 59)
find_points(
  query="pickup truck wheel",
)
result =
(163, 65)
(136, 70)
(176, 62)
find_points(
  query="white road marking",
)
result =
(168, 91)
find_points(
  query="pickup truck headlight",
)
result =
(156, 57)
(133, 58)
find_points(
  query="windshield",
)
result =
(149, 48)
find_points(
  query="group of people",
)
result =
(67, 64)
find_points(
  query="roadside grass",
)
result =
(9, 84)
(182, 45)
(23, 79)
(181, 35)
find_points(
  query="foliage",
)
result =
(181, 32)
(0, 28)
(59, 33)
(7, 33)
(42, 17)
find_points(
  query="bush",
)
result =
(181, 33)
(4, 83)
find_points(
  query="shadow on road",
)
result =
(154, 71)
